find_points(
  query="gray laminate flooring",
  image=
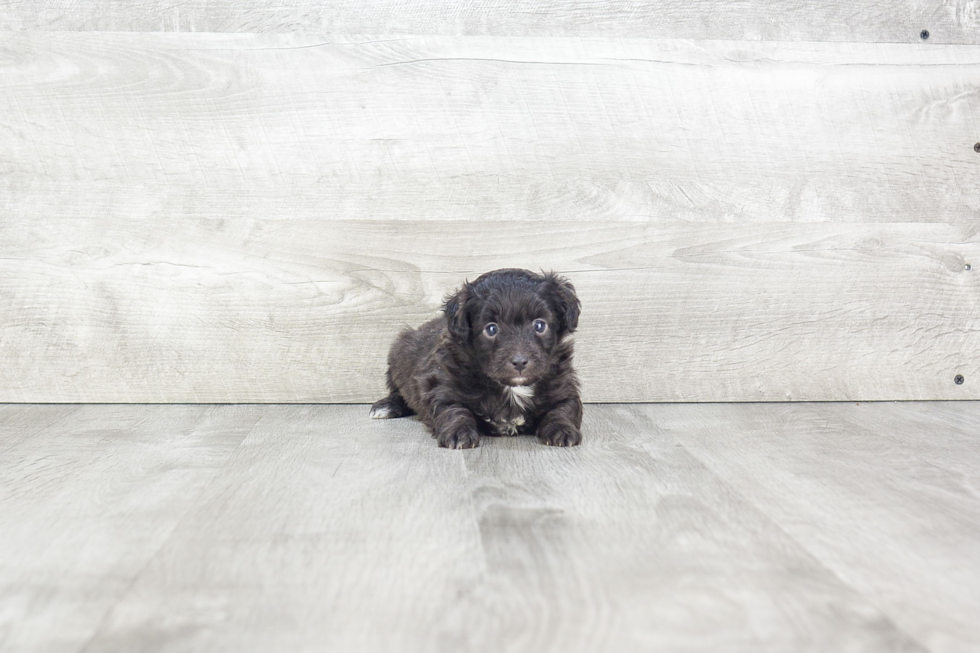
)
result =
(674, 527)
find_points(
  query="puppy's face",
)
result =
(511, 321)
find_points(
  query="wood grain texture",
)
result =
(892, 507)
(252, 217)
(297, 310)
(950, 21)
(158, 126)
(19, 423)
(676, 561)
(87, 501)
(325, 530)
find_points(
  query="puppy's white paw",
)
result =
(380, 412)
(390, 407)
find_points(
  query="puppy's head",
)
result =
(512, 321)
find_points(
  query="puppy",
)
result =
(499, 362)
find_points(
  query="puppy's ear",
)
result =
(565, 301)
(456, 315)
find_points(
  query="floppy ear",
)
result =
(456, 318)
(565, 301)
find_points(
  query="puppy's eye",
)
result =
(540, 326)
(491, 329)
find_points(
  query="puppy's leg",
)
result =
(561, 426)
(454, 427)
(390, 407)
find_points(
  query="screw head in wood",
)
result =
(924, 34)
(958, 379)
(976, 147)
(967, 267)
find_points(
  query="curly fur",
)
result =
(464, 382)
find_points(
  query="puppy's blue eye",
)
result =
(540, 326)
(491, 329)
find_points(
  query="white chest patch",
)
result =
(519, 395)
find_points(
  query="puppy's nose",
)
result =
(519, 362)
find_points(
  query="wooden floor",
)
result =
(675, 527)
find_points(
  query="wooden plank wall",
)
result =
(757, 201)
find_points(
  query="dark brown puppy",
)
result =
(499, 362)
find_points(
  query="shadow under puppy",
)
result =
(499, 362)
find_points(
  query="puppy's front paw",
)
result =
(458, 437)
(558, 434)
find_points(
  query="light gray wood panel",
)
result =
(629, 544)
(88, 501)
(886, 495)
(155, 126)
(791, 527)
(300, 310)
(19, 423)
(956, 451)
(956, 21)
(328, 531)
(171, 204)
